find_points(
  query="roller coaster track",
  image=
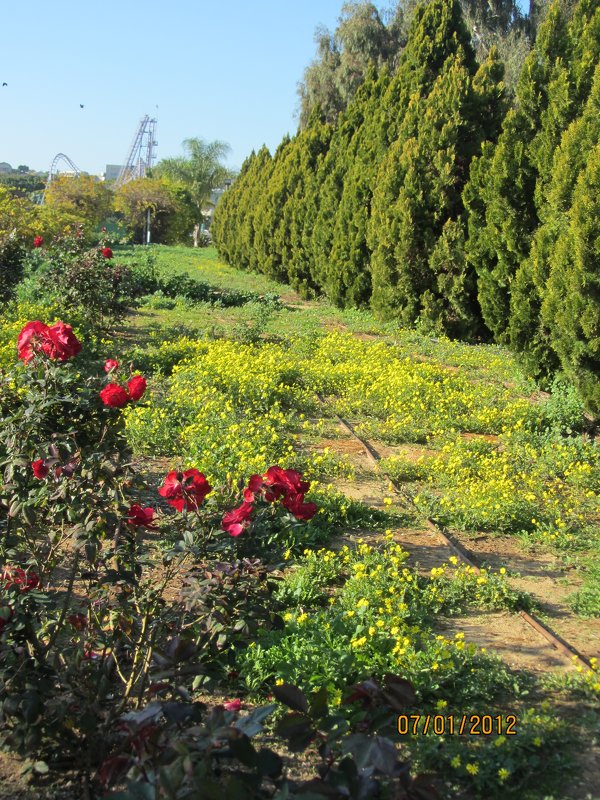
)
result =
(53, 171)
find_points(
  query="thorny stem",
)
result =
(65, 608)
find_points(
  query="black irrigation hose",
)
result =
(563, 647)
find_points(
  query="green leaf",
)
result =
(291, 696)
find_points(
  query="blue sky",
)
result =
(214, 70)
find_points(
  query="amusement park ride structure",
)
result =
(140, 156)
(142, 152)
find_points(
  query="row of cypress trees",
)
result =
(434, 201)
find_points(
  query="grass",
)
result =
(233, 389)
(433, 391)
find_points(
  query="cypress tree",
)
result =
(345, 142)
(509, 186)
(417, 227)
(254, 189)
(437, 34)
(573, 84)
(571, 306)
(223, 227)
(268, 216)
(300, 211)
(528, 332)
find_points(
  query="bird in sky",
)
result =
(81, 105)
(5, 83)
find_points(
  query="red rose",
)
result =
(38, 241)
(58, 341)
(296, 505)
(185, 489)
(284, 482)
(15, 576)
(107, 252)
(136, 386)
(40, 470)
(64, 343)
(142, 517)
(256, 486)
(34, 333)
(110, 364)
(233, 705)
(78, 621)
(114, 396)
(236, 521)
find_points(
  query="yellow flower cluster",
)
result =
(511, 485)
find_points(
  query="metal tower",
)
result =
(141, 154)
(53, 171)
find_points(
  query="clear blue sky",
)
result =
(214, 70)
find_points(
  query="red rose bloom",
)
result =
(110, 364)
(38, 241)
(233, 705)
(34, 333)
(256, 486)
(284, 482)
(296, 505)
(107, 252)
(15, 576)
(40, 470)
(142, 517)
(114, 396)
(64, 343)
(185, 489)
(136, 386)
(236, 521)
(78, 621)
(58, 341)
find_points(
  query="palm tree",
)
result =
(200, 171)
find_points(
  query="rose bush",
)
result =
(83, 619)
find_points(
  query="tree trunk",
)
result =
(196, 233)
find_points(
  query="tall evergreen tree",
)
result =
(311, 148)
(437, 32)
(223, 227)
(245, 222)
(503, 215)
(571, 306)
(269, 214)
(529, 331)
(416, 229)
(343, 148)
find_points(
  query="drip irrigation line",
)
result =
(560, 644)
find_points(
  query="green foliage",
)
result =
(12, 255)
(361, 40)
(571, 306)
(82, 199)
(348, 143)
(83, 281)
(199, 172)
(170, 206)
(416, 231)
(507, 196)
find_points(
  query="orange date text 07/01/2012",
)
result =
(463, 724)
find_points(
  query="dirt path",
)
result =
(542, 575)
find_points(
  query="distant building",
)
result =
(5, 167)
(111, 173)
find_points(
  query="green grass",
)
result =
(203, 264)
